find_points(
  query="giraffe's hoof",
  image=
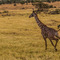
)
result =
(55, 49)
(45, 48)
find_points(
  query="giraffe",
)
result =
(46, 32)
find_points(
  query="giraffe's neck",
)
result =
(40, 24)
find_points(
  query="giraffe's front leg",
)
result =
(44, 37)
(45, 43)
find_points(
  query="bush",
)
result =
(14, 4)
(5, 11)
(57, 11)
(22, 2)
(8, 2)
(54, 6)
(51, 6)
(0, 2)
(40, 5)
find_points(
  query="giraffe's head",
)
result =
(32, 14)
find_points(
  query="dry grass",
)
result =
(18, 6)
(21, 39)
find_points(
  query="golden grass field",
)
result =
(21, 39)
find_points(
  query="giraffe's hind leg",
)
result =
(55, 44)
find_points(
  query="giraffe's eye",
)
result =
(32, 15)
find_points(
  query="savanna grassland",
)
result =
(21, 39)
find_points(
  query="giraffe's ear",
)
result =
(33, 10)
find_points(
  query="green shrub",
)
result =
(5, 11)
(22, 2)
(57, 11)
(54, 6)
(14, 4)
(40, 5)
(0, 2)
(8, 2)
(51, 6)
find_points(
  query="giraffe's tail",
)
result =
(57, 34)
(58, 37)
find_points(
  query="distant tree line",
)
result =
(24, 1)
(52, 0)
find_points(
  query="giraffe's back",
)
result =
(48, 32)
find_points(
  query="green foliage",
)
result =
(0, 2)
(18, 1)
(14, 4)
(57, 11)
(51, 6)
(8, 2)
(54, 6)
(22, 2)
(5, 11)
(40, 5)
